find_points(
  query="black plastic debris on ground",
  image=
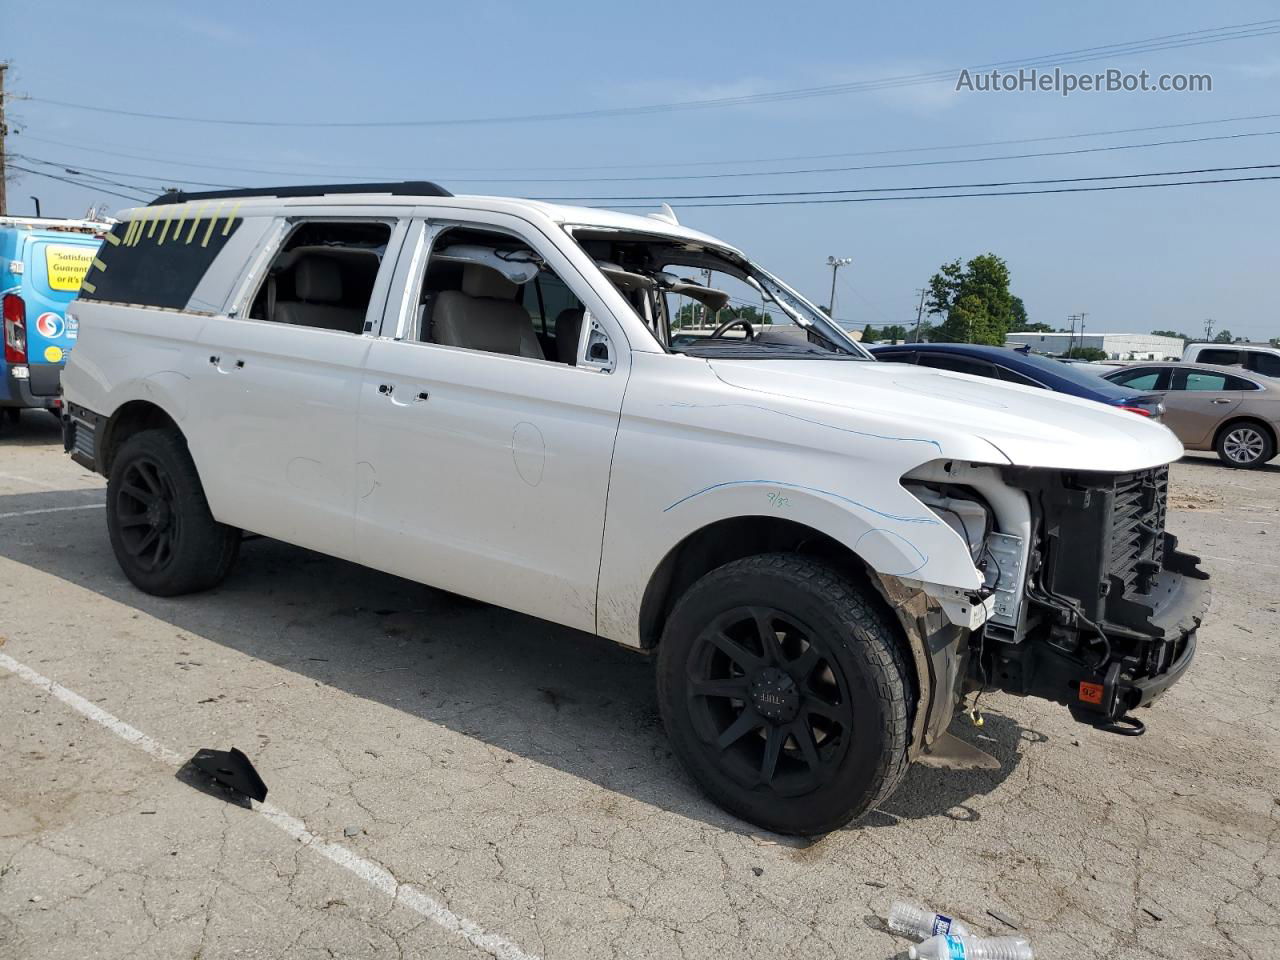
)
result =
(231, 768)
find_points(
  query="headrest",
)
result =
(478, 281)
(318, 280)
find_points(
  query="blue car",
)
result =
(1013, 366)
(42, 263)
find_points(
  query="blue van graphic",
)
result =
(42, 263)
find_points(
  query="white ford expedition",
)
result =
(630, 428)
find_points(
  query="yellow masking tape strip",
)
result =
(196, 222)
(87, 287)
(230, 219)
(154, 221)
(164, 232)
(128, 234)
(99, 264)
(142, 226)
(113, 239)
(177, 227)
(212, 220)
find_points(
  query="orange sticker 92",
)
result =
(1091, 692)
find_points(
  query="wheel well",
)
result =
(1236, 421)
(723, 542)
(134, 416)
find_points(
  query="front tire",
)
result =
(1246, 444)
(784, 693)
(161, 530)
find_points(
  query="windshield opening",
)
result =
(707, 301)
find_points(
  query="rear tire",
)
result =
(1246, 444)
(164, 537)
(784, 693)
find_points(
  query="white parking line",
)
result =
(32, 513)
(42, 484)
(371, 873)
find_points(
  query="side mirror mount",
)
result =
(599, 351)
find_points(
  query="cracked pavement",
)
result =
(517, 773)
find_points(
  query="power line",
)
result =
(79, 168)
(719, 176)
(1242, 31)
(887, 166)
(949, 196)
(936, 186)
(78, 183)
(439, 171)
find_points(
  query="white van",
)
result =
(1255, 357)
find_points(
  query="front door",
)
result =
(485, 449)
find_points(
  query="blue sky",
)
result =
(1134, 259)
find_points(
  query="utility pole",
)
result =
(1082, 316)
(4, 172)
(919, 313)
(1208, 331)
(1071, 340)
(835, 263)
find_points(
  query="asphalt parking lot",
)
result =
(451, 780)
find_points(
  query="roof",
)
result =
(1058, 376)
(54, 223)
(1078, 334)
(269, 201)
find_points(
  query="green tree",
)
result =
(1170, 333)
(974, 301)
(871, 335)
(1224, 336)
(1087, 353)
(1032, 327)
(1018, 314)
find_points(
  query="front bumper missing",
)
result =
(1143, 655)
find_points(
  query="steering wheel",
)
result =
(735, 322)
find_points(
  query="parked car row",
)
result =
(826, 554)
(1225, 409)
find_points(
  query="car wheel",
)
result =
(784, 693)
(1245, 443)
(161, 530)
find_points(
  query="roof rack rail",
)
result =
(404, 188)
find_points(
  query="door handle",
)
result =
(216, 361)
(1220, 400)
(386, 389)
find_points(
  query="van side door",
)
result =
(278, 380)
(485, 448)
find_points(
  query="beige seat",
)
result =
(484, 316)
(317, 287)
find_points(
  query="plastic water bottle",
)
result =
(971, 948)
(919, 923)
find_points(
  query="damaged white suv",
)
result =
(628, 427)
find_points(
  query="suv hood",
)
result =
(1030, 427)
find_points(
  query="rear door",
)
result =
(1197, 402)
(278, 384)
(53, 268)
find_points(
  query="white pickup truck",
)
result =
(499, 398)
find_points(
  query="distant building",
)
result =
(1117, 346)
